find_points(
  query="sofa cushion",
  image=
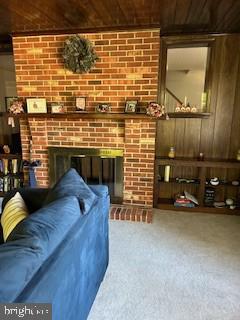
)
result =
(14, 212)
(100, 190)
(32, 242)
(72, 184)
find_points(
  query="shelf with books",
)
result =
(11, 173)
(168, 204)
(167, 188)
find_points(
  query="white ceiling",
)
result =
(186, 59)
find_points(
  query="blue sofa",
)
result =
(58, 254)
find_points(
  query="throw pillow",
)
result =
(71, 184)
(14, 212)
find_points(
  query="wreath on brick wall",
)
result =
(78, 54)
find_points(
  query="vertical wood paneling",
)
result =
(207, 128)
(235, 127)
(180, 125)
(216, 137)
(225, 98)
(179, 137)
(166, 137)
(219, 135)
(192, 137)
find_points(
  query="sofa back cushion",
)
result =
(31, 242)
(72, 184)
(33, 197)
(14, 212)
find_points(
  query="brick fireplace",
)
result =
(135, 137)
(127, 69)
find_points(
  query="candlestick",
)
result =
(165, 99)
(185, 100)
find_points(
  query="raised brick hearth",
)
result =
(127, 69)
(129, 213)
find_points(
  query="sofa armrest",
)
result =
(33, 197)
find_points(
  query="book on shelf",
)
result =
(8, 183)
(186, 200)
(12, 166)
(182, 200)
(10, 174)
(185, 205)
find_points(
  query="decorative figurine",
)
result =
(193, 109)
(171, 153)
(183, 108)
(6, 148)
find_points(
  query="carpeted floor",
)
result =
(182, 267)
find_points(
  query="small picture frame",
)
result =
(81, 104)
(131, 106)
(57, 107)
(103, 108)
(36, 105)
(9, 101)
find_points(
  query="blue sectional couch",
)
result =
(59, 254)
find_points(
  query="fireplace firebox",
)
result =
(96, 166)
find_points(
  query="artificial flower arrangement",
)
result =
(155, 110)
(17, 106)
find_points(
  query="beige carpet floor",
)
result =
(184, 266)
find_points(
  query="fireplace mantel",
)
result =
(87, 115)
(110, 116)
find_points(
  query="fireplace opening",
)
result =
(96, 166)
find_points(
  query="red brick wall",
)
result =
(127, 69)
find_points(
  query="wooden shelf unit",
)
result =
(203, 165)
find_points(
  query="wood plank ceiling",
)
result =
(172, 16)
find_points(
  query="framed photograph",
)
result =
(81, 103)
(36, 105)
(131, 106)
(9, 101)
(57, 107)
(103, 107)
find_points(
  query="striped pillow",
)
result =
(14, 212)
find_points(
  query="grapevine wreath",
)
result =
(78, 54)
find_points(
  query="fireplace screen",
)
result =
(96, 166)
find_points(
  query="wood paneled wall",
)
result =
(219, 135)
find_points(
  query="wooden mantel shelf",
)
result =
(110, 116)
(86, 115)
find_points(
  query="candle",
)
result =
(165, 99)
(185, 100)
(203, 100)
(167, 173)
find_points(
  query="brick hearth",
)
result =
(129, 213)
